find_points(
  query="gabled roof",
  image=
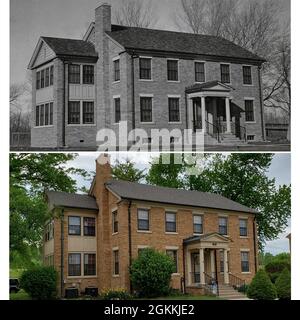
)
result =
(74, 47)
(179, 42)
(211, 85)
(71, 200)
(143, 192)
(65, 47)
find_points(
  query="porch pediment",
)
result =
(207, 238)
(216, 86)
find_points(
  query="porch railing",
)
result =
(211, 283)
(195, 277)
(236, 282)
(213, 130)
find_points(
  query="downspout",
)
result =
(62, 253)
(129, 242)
(261, 103)
(133, 90)
(184, 271)
(64, 108)
(254, 245)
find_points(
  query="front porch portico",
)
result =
(201, 256)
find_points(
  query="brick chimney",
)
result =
(102, 25)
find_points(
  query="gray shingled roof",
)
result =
(207, 85)
(72, 47)
(71, 200)
(179, 42)
(143, 192)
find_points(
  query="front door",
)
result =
(195, 267)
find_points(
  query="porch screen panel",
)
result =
(225, 73)
(74, 265)
(74, 112)
(46, 114)
(51, 114)
(42, 115)
(37, 116)
(74, 74)
(172, 70)
(146, 109)
(88, 74)
(90, 264)
(199, 72)
(88, 112)
(89, 226)
(74, 226)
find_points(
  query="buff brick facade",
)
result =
(104, 43)
(128, 240)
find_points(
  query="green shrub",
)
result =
(275, 268)
(151, 273)
(261, 287)
(39, 282)
(119, 294)
(283, 285)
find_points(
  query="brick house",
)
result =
(92, 239)
(149, 78)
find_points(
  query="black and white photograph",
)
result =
(150, 154)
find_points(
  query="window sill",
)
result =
(43, 127)
(147, 122)
(115, 82)
(115, 233)
(81, 125)
(144, 231)
(248, 85)
(176, 274)
(248, 272)
(250, 122)
(146, 80)
(173, 122)
(173, 81)
(198, 234)
(244, 237)
(116, 276)
(171, 233)
(82, 277)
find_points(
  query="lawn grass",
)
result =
(187, 297)
(21, 295)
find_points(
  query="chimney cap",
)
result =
(105, 4)
(103, 159)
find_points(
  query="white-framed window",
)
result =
(44, 115)
(74, 264)
(173, 70)
(245, 266)
(117, 107)
(115, 221)
(247, 75)
(81, 74)
(225, 72)
(171, 222)
(249, 110)
(146, 106)
(174, 109)
(74, 226)
(223, 226)
(89, 264)
(81, 112)
(243, 227)
(82, 264)
(117, 76)
(116, 264)
(198, 224)
(145, 64)
(143, 219)
(44, 77)
(199, 71)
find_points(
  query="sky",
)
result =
(280, 169)
(30, 19)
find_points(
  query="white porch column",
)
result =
(212, 263)
(226, 274)
(201, 261)
(228, 116)
(190, 113)
(189, 267)
(203, 114)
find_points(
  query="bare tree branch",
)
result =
(136, 13)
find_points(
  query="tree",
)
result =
(261, 287)
(283, 285)
(136, 13)
(161, 174)
(239, 177)
(30, 176)
(151, 273)
(126, 171)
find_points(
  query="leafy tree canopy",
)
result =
(127, 171)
